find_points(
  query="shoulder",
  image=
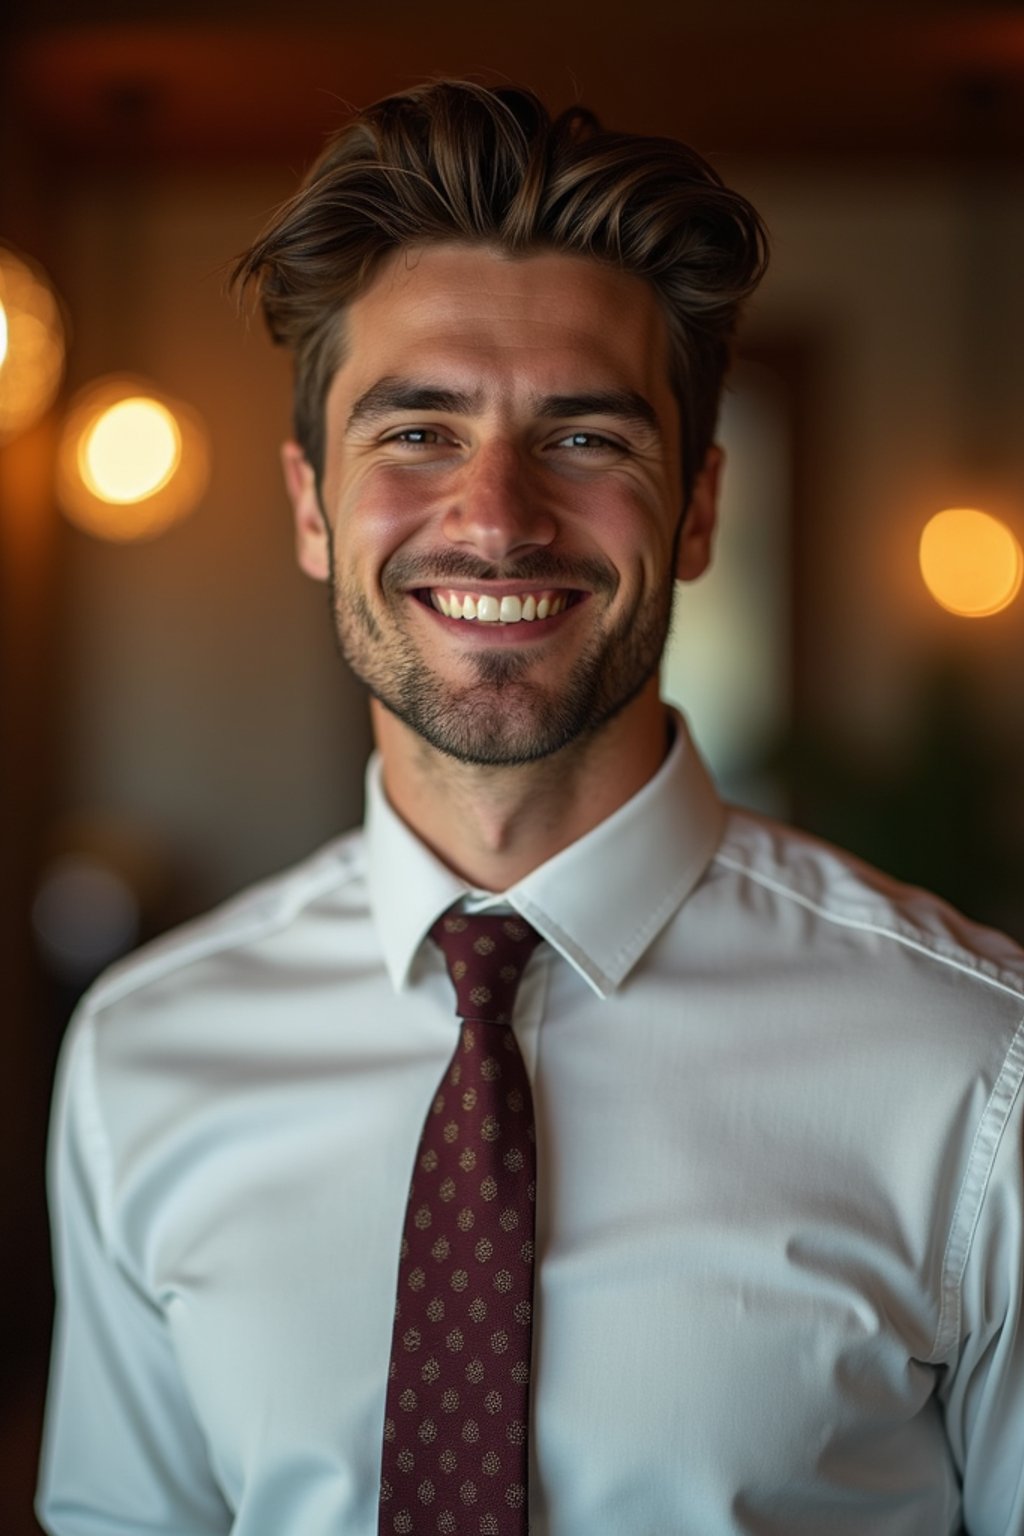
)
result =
(792, 877)
(241, 926)
(240, 997)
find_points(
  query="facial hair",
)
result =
(503, 717)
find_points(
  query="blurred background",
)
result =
(174, 721)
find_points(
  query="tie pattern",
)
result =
(456, 1422)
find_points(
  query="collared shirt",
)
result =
(779, 1282)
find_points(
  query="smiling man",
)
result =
(501, 510)
(563, 1151)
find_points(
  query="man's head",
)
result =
(510, 336)
(455, 162)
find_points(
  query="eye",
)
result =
(418, 437)
(589, 442)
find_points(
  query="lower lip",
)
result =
(519, 633)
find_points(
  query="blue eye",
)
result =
(587, 442)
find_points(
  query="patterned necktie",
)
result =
(455, 1430)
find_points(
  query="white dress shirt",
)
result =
(779, 1281)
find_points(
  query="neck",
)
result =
(493, 825)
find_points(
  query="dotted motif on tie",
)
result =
(455, 1431)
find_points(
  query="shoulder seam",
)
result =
(864, 926)
(105, 992)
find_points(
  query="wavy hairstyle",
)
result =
(455, 161)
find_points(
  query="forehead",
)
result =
(542, 322)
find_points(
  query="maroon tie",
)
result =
(455, 1430)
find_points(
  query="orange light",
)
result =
(971, 562)
(31, 344)
(131, 461)
(130, 451)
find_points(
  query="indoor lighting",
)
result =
(131, 460)
(130, 451)
(971, 562)
(31, 344)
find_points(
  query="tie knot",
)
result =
(486, 956)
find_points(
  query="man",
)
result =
(714, 1224)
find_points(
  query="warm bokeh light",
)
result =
(971, 562)
(31, 344)
(130, 451)
(131, 460)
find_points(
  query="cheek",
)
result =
(387, 509)
(636, 536)
(376, 517)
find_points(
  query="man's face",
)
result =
(502, 495)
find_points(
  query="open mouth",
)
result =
(490, 608)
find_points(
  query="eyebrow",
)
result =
(626, 405)
(392, 394)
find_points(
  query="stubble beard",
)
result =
(503, 717)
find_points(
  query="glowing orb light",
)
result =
(31, 344)
(130, 451)
(131, 461)
(971, 562)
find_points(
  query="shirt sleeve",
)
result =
(984, 1394)
(123, 1454)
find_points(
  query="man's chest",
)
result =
(730, 1299)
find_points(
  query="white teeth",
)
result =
(489, 609)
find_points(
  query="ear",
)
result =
(699, 519)
(312, 548)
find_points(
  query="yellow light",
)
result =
(130, 451)
(971, 562)
(31, 344)
(131, 461)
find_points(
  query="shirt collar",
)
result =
(654, 849)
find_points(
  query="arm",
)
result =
(123, 1454)
(984, 1393)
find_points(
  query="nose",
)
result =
(496, 508)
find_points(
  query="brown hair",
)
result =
(455, 161)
